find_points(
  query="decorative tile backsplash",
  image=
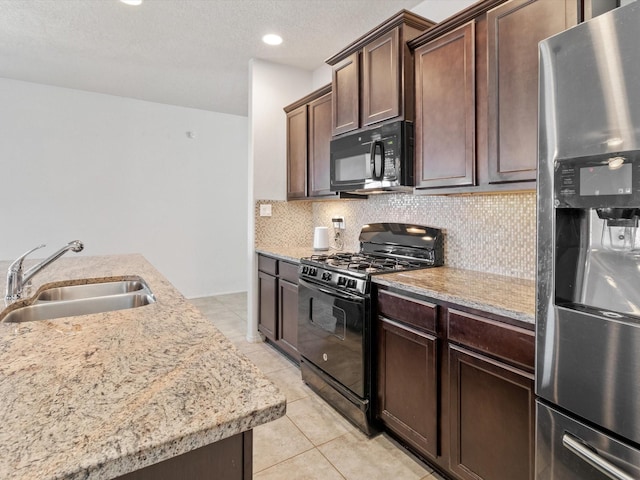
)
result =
(488, 233)
(290, 224)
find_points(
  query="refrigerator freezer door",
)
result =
(567, 449)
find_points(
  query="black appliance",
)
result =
(335, 337)
(374, 160)
(588, 300)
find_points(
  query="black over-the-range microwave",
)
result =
(376, 159)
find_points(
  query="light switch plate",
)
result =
(265, 210)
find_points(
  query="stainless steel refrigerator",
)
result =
(588, 296)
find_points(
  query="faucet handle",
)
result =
(17, 263)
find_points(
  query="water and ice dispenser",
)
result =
(597, 247)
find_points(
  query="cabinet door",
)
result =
(492, 418)
(513, 32)
(445, 110)
(319, 138)
(345, 98)
(381, 78)
(268, 304)
(288, 318)
(297, 153)
(408, 384)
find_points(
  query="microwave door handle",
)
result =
(374, 146)
(372, 159)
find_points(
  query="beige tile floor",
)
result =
(312, 441)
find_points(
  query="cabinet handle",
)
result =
(592, 458)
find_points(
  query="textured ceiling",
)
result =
(192, 53)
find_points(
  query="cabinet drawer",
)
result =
(289, 272)
(510, 343)
(414, 312)
(268, 265)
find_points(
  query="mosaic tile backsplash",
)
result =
(487, 233)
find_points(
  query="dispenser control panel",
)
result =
(610, 180)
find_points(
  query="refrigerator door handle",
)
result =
(592, 458)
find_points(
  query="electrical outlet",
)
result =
(338, 222)
(265, 210)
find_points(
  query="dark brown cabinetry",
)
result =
(477, 89)
(267, 296)
(308, 137)
(227, 459)
(456, 387)
(297, 153)
(513, 32)
(491, 398)
(408, 371)
(345, 83)
(372, 78)
(278, 304)
(381, 78)
(287, 338)
(445, 110)
(319, 137)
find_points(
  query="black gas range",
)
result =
(334, 311)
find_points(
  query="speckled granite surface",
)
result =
(97, 396)
(290, 254)
(506, 296)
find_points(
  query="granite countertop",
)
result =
(100, 395)
(290, 254)
(506, 296)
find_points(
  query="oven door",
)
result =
(331, 333)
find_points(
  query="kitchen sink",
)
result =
(83, 299)
(72, 308)
(91, 290)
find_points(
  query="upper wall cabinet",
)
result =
(477, 95)
(372, 78)
(513, 32)
(446, 110)
(308, 137)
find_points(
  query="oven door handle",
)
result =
(333, 293)
(576, 447)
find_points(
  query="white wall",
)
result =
(321, 76)
(123, 176)
(272, 87)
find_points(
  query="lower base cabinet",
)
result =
(408, 384)
(227, 459)
(492, 418)
(288, 317)
(278, 304)
(456, 388)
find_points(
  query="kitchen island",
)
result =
(99, 396)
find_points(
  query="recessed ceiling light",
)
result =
(272, 39)
(132, 2)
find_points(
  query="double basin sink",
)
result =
(92, 296)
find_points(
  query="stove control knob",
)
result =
(341, 281)
(326, 276)
(351, 283)
(305, 270)
(313, 271)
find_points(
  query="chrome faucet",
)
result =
(17, 279)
